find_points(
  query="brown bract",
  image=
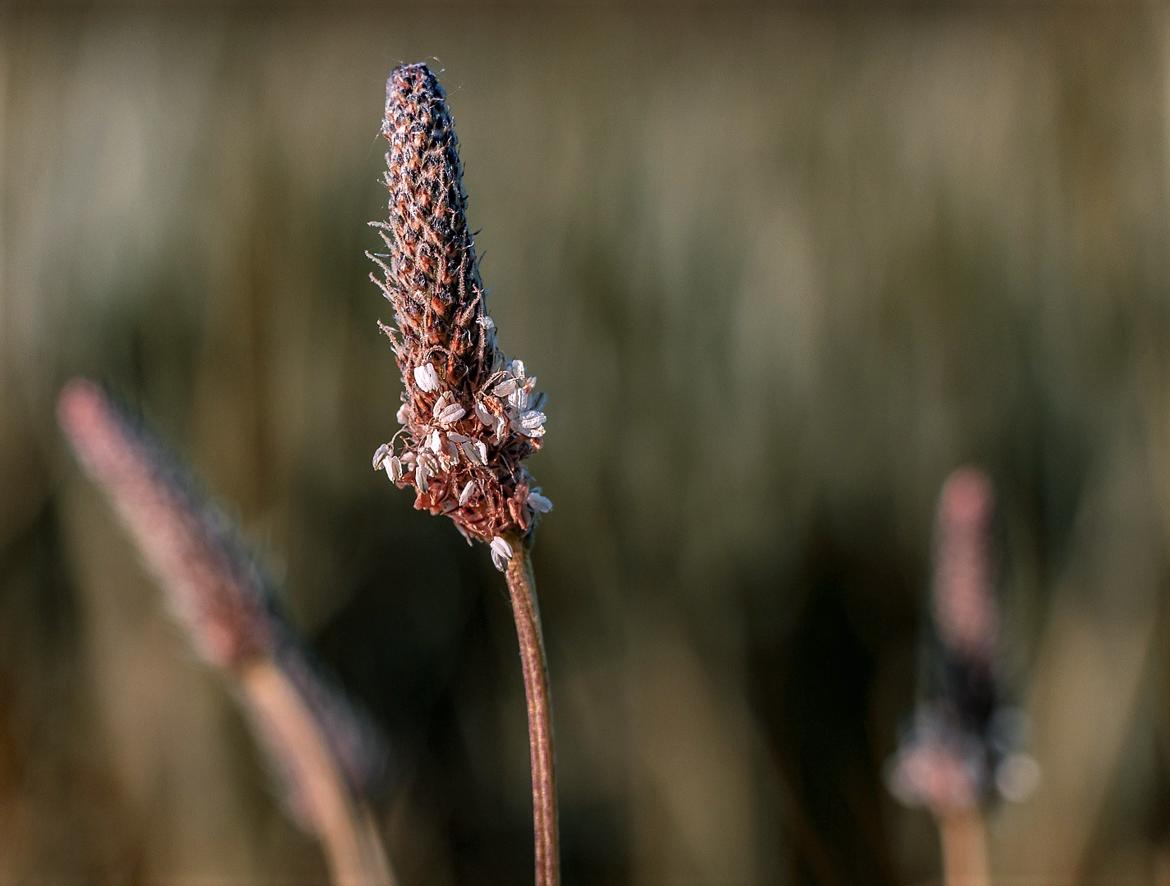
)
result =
(469, 416)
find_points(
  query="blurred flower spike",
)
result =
(214, 586)
(230, 609)
(961, 749)
(469, 416)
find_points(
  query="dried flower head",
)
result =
(469, 416)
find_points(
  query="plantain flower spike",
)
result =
(469, 416)
(963, 749)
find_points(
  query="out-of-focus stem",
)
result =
(964, 848)
(342, 822)
(526, 612)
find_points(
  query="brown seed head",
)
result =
(469, 416)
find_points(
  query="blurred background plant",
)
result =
(782, 271)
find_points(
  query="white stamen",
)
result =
(465, 495)
(504, 388)
(531, 423)
(501, 553)
(518, 399)
(538, 502)
(475, 451)
(426, 378)
(449, 414)
(380, 455)
(394, 468)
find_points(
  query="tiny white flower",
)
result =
(435, 442)
(516, 367)
(426, 378)
(403, 414)
(380, 455)
(408, 458)
(531, 423)
(501, 553)
(518, 399)
(476, 452)
(501, 428)
(484, 416)
(456, 437)
(420, 477)
(465, 495)
(505, 388)
(428, 463)
(485, 321)
(449, 413)
(453, 451)
(538, 502)
(394, 468)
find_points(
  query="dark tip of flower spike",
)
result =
(469, 416)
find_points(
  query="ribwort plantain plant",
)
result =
(959, 755)
(327, 755)
(469, 417)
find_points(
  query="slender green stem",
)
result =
(534, 663)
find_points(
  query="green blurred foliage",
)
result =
(779, 274)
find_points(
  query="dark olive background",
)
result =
(779, 271)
